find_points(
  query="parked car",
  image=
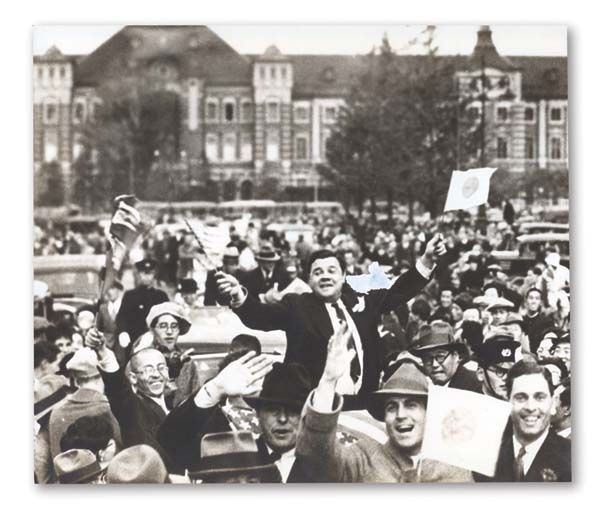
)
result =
(532, 249)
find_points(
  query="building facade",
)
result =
(248, 119)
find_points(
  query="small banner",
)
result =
(468, 188)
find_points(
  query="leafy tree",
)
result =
(53, 186)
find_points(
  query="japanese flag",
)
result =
(468, 188)
(464, 429)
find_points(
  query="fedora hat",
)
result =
(49, 392)
(500, 303)
(146, 265)
(169, 308)
(226, 453)
(76, 466)
(83, 363)
(407, 380)
(437, 334)
(140, 464)
(267, 253)
(231, 253)
(187, 286)
(286, 384)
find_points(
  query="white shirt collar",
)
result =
(531, 450)
(285, 463)
(160, 401)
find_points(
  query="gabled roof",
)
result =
(543, 77)
(195, 50)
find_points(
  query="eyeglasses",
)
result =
(166, 327)
(501, 373)
(149, 370)
(439, 357)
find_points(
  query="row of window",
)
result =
(52, 71)
(274, 72)
(229, 151)
(556, 148)
(503, 114)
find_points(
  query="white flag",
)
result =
(464, 429)
(468, 188)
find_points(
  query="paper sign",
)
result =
(468, 188)
(464, 429)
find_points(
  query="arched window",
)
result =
(272, 146)
(246, 147)
(229, 148)
(212, 147)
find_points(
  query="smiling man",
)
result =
(401, 404)
(532, 452)
(309, 319)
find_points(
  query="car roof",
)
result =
(69, 262)
(543, 237)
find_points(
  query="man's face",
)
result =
(440, 365)
(544, 348)
(456, 312)
(533, 302)
(231, 267)
(446, 298)
(349, 258)
(532, 406)
(145, 278)
(166, 331)
(493, 379)
(189, 298)
(279, 425)
(150, 373)
(267, 266)
(563, 352)
(326, 278)
(405, 423)
(113, 294)
(499, 315)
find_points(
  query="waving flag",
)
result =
(374, 280)
(468, 188)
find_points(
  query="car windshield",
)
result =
(77, 283)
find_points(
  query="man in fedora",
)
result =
(401, 404)
(277, 409)
(443, 357)
(78, 467)
(496, 356)
(267, 275)
(233, 458)
(139, 464)
(188, 296)
(136, 304)
(309, 319)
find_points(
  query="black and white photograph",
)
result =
(301, 254)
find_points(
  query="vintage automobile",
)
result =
(532, 249)
(531, 228)
(73, 281)
(292, 231)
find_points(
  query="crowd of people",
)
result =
(117, 400)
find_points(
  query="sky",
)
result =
(543, 40)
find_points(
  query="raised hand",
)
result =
(229, 285)
(339, 356)
(433, 250)
(95, 340)
(243, 376)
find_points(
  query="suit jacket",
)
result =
(108, 325)
(134, 309)
(551, 464)
(181, 433)
(211, 291)
(256, 284)
(465, 379)
(307, 325)
(139, 416)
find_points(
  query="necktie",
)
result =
(355, 364)
(518, 468)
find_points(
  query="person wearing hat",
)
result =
(499, 310)
(188, 296)
(443, 357)
(309, 319)
(514, 322)
(88, 400)
(233, 458)
(472, 277)
(78, 467)
(166, 322)
(140, 464)
(546, 344)
(231, 265)
(269, 273)
(401, 404)
(277, 409)
(496, 356)
(45, 360)
(136, 304)
(93, 433)
(138, 412)
(48, 392)
(107, 318)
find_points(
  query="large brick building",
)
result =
(248, 118)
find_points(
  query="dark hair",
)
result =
(88, 433)
(565, 396)
(322, 254)
(421, 309)
(533, 289)
(44, 351)
(245, 342)
(447, 288)
(559, 363)
(523, 367)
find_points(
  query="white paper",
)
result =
(468, 188)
